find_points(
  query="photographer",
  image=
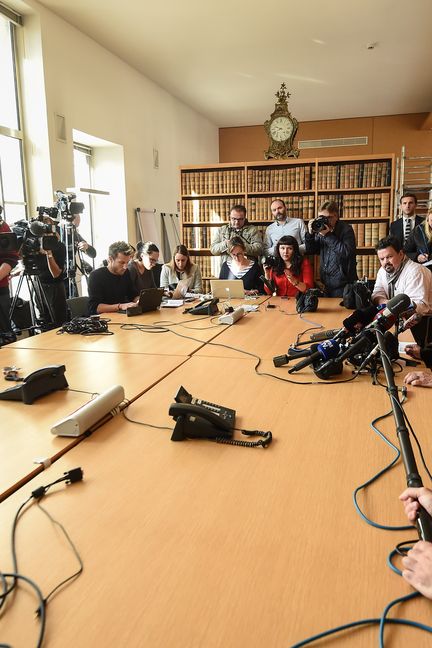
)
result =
(8, 260)
(80, 266)
(52, 280)
(238, 226)
(335, 242)
(292, 273)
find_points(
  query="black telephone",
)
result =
(207, 307)
(199, 419)
(37, 384)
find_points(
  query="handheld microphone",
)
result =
(269, 284)
(281, 360)
(335, 334)
(386, 317)
(325, 351)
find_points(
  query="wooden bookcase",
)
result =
(362, 186)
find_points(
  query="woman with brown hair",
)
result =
(181, 268)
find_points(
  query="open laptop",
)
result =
(149, 300)
(227, 288)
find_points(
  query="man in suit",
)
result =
(402, 227)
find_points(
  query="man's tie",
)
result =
(407, 229)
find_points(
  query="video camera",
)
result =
(65, 207)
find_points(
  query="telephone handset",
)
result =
(37, 384)
(207, 307)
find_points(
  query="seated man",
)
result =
(417, 564)
(110, 287)
(399, 275)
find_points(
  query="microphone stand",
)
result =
(424, 520)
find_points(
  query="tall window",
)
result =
(83, 179)
(12, 189)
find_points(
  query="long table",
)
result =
(200, 544)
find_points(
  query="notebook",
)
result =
(227, 288)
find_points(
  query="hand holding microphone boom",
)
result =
(325, 351)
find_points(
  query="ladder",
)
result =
(414, 175)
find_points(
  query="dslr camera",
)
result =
(269, 261)
(319, 224)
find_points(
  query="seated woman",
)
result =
(419, 244)
(292, 273)
(181, 268)
(238, 266)
(144, 268)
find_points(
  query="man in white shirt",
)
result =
(283, 226)
(403, 227)
(399, 275)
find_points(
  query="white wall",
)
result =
(101, 95)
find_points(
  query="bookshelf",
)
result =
(362, 187)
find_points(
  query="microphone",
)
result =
(361, 316)
(37, 228)
(335, 334)
(386, 317)
(325, 351)
(281, 360)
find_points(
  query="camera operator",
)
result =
(52, 279)
(335, 242)
(238, 226)
(8, 260)
(81, 247)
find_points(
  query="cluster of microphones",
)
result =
(356, 341)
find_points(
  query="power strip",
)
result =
(83, 418)
(230, 318)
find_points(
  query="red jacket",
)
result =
(285, 287)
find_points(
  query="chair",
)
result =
(78, 306)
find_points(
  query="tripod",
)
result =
(38, 298)
(68, 236)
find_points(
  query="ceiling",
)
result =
(227, 58)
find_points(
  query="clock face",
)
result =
(281, 129)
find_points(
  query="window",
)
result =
(12, 189)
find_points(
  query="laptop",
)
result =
(227, 288)
(149, 300)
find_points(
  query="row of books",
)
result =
(367, 265)
(368, 234)
(298, 178)
(353, 176)
(213, 210)
(297, 207)
(212, 182)
(365, 205)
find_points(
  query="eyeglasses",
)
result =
(237, 220)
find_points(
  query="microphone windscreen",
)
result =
(361, 316)
(398, 304)
(37, 228)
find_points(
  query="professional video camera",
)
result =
(65, 207)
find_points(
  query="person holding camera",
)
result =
(8, 261)
(335, 242)
(239, 266)
(292, 272)
(51, 277)
(238, 226)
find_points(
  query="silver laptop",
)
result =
(227, 288)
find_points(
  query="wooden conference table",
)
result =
(198, 544)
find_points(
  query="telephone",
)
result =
(207, 307)
(199, 419)
(37, 384)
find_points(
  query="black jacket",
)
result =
(396, 228)
(418, 243)
(337, 253)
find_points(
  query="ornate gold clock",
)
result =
(281, 129)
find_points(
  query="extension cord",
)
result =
(83, 418)
(230, 318)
